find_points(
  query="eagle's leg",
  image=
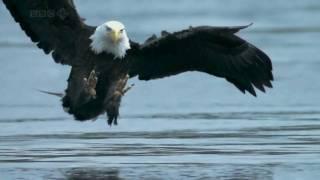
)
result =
(115, 93)
(90, 84)
(80, 97)
(112, 107)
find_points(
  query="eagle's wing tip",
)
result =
(247, 26)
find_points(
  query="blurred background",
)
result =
(190, 126)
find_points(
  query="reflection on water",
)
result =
(177, 171)
(228, 172)
(86, 174)
(186, 127)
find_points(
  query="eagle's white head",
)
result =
(110, 37)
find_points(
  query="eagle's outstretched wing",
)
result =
(53, 24)
(214, 50)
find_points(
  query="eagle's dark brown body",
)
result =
(112, 75)
(213, 50)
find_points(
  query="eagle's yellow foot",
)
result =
(90, 84)
(122, 85)
(125, 90)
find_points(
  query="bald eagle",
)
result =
(103, 58)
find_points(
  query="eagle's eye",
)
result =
(108, 29)
(121, 30)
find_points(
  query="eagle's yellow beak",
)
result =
(115, 36)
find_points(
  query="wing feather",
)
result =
(54, 25)
(213, 50)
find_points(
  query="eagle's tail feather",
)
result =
(61, 95)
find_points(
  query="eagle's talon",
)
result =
(122, 85)
(90, 84)
(113, 121)
(110, 122)
(124, 91)
(112, 118)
